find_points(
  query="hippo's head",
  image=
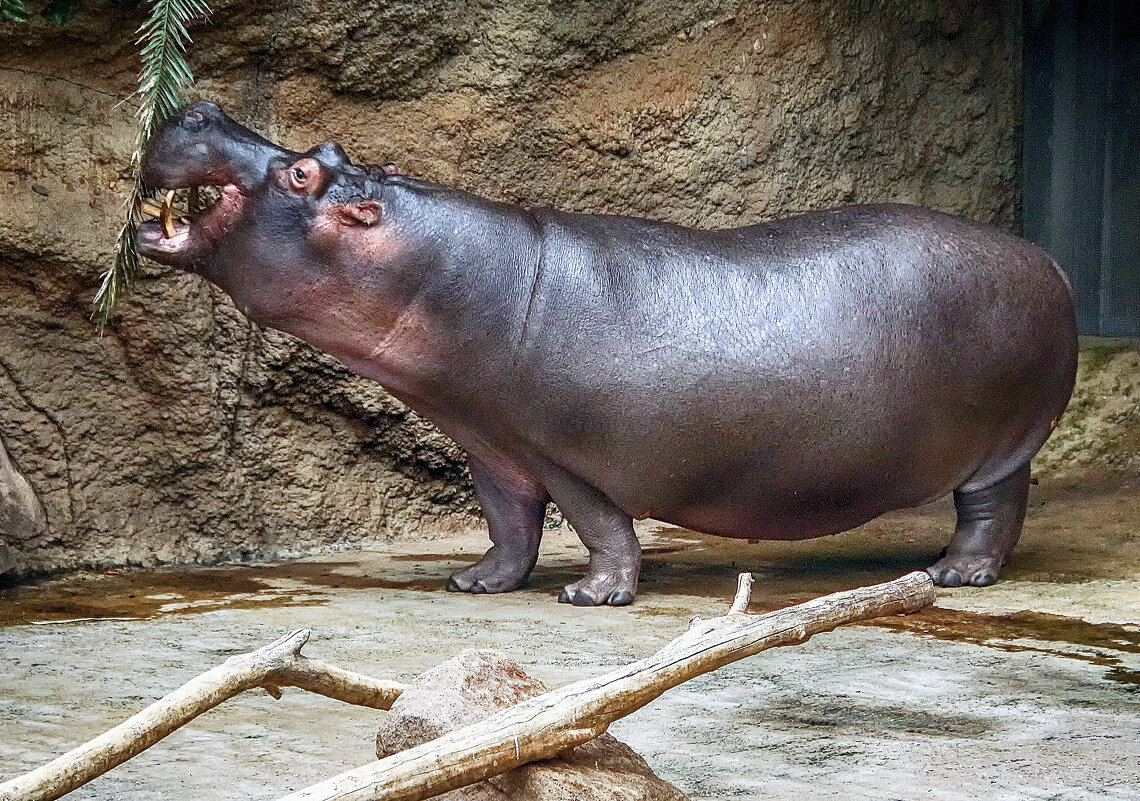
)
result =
(281, 219)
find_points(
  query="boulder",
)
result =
(21, 513)
(477, 683)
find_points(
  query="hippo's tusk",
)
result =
(166, 216)
(152, 210)
(165, 213)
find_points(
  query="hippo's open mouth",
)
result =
(193, 215)
(208, 168)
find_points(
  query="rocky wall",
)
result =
(186, 433)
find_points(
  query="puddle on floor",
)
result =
(680, 563)
(430, 557)
(852, 716)
(138, 595)
(785, 584)
(1058, 635)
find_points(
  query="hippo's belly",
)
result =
(788, 380)
(757, 468)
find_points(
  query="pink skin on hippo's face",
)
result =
(287, 230)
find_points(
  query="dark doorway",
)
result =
(1082, 152)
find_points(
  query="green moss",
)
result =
(1096, 352)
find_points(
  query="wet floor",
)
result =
(1037, 678)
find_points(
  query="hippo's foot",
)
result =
(960, 569)
(490, 574)
(989, 523)
(601, 589)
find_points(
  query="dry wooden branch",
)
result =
(549, 724)
(277, 665)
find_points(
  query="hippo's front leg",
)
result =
(515, 508)
(607, 533)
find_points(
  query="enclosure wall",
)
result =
(187, 433)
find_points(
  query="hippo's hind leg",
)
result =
(607, 533)
(515, 509)
(989, 525)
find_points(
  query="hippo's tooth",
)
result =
(166, 216)
(193, 202)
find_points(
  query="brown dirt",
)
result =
(1101, 427)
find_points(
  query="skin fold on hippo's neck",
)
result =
(430, 301)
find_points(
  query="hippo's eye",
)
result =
(304, 177)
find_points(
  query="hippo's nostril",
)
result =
(194, 120)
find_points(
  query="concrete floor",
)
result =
(1026, 690)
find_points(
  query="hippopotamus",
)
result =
(785, 380)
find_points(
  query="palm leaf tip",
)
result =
(162, 39)
(13, 10)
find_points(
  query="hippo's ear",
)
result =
(360, 212)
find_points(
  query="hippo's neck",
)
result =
(433, 308)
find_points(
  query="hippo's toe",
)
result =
(947, 578)
(454, 585)
(576, 597)
(984, 577)
(600, 590)
(621, 598)
(957, 570)
(487, 576)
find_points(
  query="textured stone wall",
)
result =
(186, 433)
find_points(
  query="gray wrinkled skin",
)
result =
(780, 381)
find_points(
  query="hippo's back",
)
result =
(795, 378)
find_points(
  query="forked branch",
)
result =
(277, 665)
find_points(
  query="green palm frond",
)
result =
(59, 11)
(13, 10)
(165, 73)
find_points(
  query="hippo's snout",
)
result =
(199, 156)
(200, 144)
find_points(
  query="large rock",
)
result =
(475, 684)
(21, 513)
